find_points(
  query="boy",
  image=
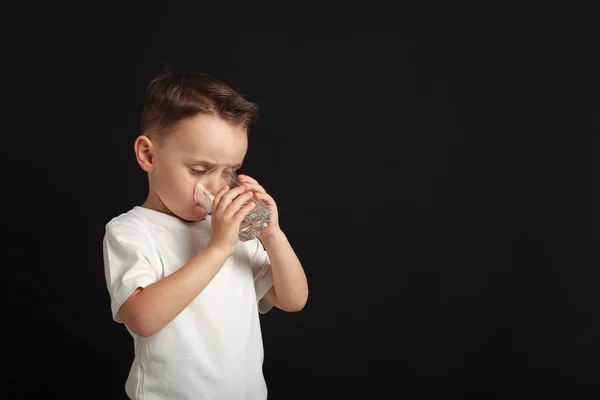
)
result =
(188, 291)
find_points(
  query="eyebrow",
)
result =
(212, 164)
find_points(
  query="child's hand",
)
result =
(260, 193)
(228, 211)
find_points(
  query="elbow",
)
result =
(296, 305)
(143, 331)
(139, 318)
(141, 325)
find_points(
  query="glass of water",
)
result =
(209, 185)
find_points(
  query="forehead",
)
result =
(209, 137)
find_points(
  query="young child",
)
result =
(188, 291)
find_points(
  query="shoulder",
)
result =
(252, 247)
(255, 253)
(128, 222)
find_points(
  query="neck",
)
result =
(153, 202)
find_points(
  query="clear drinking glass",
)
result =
(209, 185)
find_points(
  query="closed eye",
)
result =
(198, 171)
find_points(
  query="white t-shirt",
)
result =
(213, 349)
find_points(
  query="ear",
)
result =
(144, 152)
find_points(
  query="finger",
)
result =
(264, 197)
(238, 203)
(219, 195)
(228, 197)
(244, 211)
(246, 178)
(255, 187)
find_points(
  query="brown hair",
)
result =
(173, 97)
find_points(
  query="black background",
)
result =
(436, 179)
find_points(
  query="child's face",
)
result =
(196, 145)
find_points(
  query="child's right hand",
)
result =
(228, 212)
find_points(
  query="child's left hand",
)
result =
(261, 194)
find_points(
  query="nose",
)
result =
(215, 181)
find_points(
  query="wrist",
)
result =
(216, 252)
(272, 236)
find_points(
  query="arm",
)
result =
(290, 288)
(150, 309)
(147, 310)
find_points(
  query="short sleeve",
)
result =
(126, 263)
(263, 277)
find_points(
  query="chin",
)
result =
(197, 215)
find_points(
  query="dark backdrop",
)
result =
(435, 178)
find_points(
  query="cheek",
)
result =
(188, 188)
(176, 184)
(184, 185)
